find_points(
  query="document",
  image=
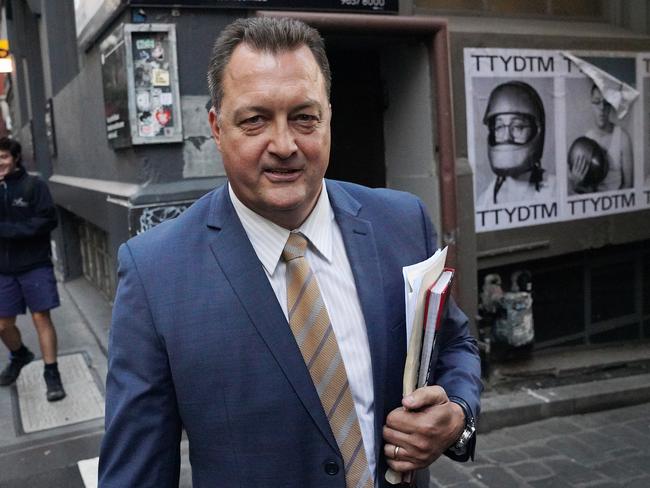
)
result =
(419, 279)
(435, 306)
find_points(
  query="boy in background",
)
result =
(27, 216)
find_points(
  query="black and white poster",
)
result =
(645, 134)
(555, 135)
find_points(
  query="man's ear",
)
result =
(213, 119)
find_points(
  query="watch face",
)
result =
(459, 447)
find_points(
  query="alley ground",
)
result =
(603, 449)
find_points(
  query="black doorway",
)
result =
(357, 122)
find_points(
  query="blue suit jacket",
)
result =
(199, 341)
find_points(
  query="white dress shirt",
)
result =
(329, 262)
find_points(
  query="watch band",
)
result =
(461, 445)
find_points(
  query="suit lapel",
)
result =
(360, 245)
(243, 270)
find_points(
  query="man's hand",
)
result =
(426, 426)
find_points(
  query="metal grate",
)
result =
(95, 258)
(596, 296)
(83, 402)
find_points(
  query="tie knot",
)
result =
(295, 247)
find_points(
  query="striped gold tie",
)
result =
(313, 331)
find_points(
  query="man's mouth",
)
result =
(282, 175)
(281, 170)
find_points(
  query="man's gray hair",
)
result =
(264, 34)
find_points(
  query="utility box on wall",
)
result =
(140, 80)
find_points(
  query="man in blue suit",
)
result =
(204, 337)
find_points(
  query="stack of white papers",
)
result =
(418, 278)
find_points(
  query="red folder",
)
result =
(434, 309)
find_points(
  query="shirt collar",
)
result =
(268, 239)
(17, 173)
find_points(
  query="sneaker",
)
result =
(16, 363)
(55, 389)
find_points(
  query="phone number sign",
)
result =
(376, 6)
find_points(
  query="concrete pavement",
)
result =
(566, 381)
(50, 458)
(572, 448)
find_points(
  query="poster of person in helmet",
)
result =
(602, 121)
(600, 156)
(646, 125)
(551, 135)
(514, 121)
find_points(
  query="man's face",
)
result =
(601, 107)
(512, 129)
(7, 164)
(273, 130)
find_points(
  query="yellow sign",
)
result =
(4, 48)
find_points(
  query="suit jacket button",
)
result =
(331, 468)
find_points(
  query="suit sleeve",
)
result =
(143, 427)
(458, 369)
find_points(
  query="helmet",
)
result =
(594, 153)
(515, 98)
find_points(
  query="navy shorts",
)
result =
(35, 289)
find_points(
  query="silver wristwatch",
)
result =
(461, 444)
(460, 447)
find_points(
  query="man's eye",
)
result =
(306, 121)
(306, 118)
(254, 120)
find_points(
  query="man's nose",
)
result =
(283, 142)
